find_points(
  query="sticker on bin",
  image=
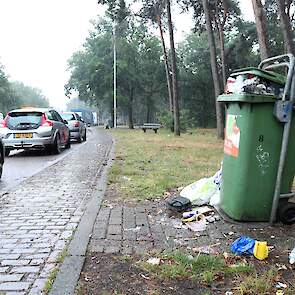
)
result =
(232, 136)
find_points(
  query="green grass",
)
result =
(62, 255)
(50, 281)
(258, 283)
(149, 164)
(60, 259)
(202, 267)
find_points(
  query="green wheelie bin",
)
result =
(252, 147)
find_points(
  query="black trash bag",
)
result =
(179, 204)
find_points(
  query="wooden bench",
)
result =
(153, 126)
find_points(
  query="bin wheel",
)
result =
(287, 213)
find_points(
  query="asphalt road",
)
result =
(21, 164)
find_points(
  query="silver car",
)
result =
(34, 128)
(76, 125)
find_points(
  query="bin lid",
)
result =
(268, 75)
(246, 97)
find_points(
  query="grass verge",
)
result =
(203, 268)
(148, 164)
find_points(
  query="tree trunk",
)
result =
(219, 106)
(168, 76)
(130, 110)
(286, 27)
(220, 28)
(149, 110)
(174, 72)
(261, 28)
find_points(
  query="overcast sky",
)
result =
(37, 37)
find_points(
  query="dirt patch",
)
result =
(107, 274)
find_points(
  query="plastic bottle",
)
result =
(292, 256)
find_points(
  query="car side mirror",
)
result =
(65, 121)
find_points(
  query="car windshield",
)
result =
(16, 119)
(68, 117)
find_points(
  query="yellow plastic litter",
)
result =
(260, 250)
(280, 292)
(198, 217)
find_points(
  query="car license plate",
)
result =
(23, 135)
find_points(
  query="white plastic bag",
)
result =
(200, 192)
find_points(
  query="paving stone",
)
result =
(43, 250)
(25, 269)
(37, 261)
(9, 256)
(15, 262)
(54, 256)
(47, 269)
(99, 232)
(38, 286)
(14, 286)
(3, 269)
(60, 245)
(96, 248)
(23, 251)
(114, 229)
(11, 278)
(31, 277)
(12, 246)
(112, 249)
(4, 251)
(117, 221)
(37, 256)
(7, 241)
(129, 235)
(114, 237)
(66, 234)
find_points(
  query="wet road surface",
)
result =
(21, 164)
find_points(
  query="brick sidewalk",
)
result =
(38, 218)
(126, 229)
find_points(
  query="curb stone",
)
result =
(69, 271)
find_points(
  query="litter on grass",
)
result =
(246, 245)
(292, 256)
(154, 261)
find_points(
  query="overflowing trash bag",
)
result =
(205, 191)
(200, 192)
(255, 81)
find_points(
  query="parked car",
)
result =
(34, 128)
(76, 125)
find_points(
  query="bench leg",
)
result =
(156, 130)
(144, 130)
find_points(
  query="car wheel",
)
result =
(84, 137)
(7, 152)
(68, 144)
(1, 165)
(79, 139)
(57, 145)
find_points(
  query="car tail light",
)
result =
(76, 124)
(3, 123)
(45, 122)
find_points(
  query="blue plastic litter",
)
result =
(243, 245)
